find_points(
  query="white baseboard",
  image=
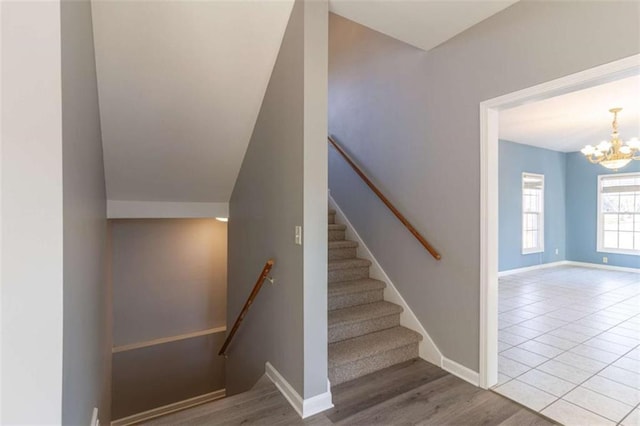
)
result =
(569, 263)
(427, 348)
(532, 268)
(170, 408)
(602, 266)
(304, 407)
(461, 371)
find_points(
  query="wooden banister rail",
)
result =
(385, 200)
(256, 289)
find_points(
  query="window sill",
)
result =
(533, 251)
(618, 251)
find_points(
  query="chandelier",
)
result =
(613, 154)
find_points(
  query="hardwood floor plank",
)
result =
(360, 394)
(483, 408)
(525, 417)
(411, 407)
(412, 393)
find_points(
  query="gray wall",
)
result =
(315, 241)
(265, 207)
(169, 277)
(87, 339)
(412, 120)
(154, 376)
(282, 183)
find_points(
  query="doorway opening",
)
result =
(490, 114)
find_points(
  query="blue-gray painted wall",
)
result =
(570, 200)
(514, 159)
(582, 199)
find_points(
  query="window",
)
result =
(619, 213)
(532, 213)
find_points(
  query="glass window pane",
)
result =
(610, 202)
(636, 242)
(625, 222)
(610, 222)
(610, 239)
(626, 240)
(627, 202)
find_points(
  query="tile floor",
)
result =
(569, 344)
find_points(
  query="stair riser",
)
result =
(336, 235)
(342, 253)
(354, 299)
(347, 331)
(362, 367)
(348, 274)
(332, 219)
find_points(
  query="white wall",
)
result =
(31, 214)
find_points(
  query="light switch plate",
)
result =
(299, 235)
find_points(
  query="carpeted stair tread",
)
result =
(369, 345)
(332, 211)
(342, 244)
(336, 227)
(360, 313)
(338, 264)
(355, 286)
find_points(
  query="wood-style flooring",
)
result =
(411, 393)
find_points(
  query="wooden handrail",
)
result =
(385, 200)
(256, 289)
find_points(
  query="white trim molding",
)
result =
(460, 370)
(427, 348)
(489, 125)
(304, 407)
(170, 408)
(602, 266)
(532, 268)
(139, 345)
(119, 209)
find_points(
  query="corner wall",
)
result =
(169, 283)
(515, 159)
(87, 333)
(411, 119)
(582, 212)
(282, 184)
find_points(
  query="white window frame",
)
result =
(539, 248)
(600, 218)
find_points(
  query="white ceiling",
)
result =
(181, 82)
(180, 85)
(569, 122)
(421, 23)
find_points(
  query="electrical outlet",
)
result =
(605, 260)
(557, 251)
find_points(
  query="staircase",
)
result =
(364, 331)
